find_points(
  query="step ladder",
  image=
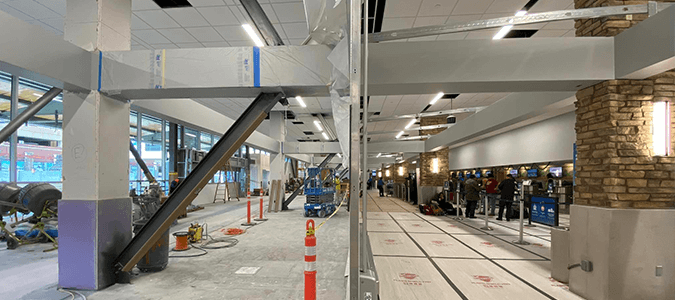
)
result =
(223, 189)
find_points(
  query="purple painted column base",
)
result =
(91, 235)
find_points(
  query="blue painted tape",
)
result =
(100, 67)
(256, 67)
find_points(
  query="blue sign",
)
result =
(543, 210)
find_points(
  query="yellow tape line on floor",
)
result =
(324, 222)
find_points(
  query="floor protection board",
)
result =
(411, 279)
(383, 226)
(443, 245)
(481, 279)
(538, 274)
(404, 216)
(495, 248)
(456, 228)
(393, 243)
(418, 226)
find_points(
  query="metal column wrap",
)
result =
(216, 158)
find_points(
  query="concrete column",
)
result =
(278, 162)
(623, 217)
(95, 213)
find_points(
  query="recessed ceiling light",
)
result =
(253, 35)
(325, 136)
(411, 123)
(318, 125)
(438, 96)
(299, 99)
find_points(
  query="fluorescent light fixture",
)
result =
(400, 171)
(506, 29)
(299, 99)
(339, 155)
(253, 35)
(400, 134)
(325, 136)
(434, 166)
(414, 162)
(661, 128)
(378, 155)
(318, 125)
(438, 96)
(387, 173)
(412, 122)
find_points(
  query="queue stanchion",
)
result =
(529, 219)
(458, 217)
(486, 227)
(520, 240)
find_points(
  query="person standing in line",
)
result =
(472, 196)
(380, 186)
(491, 190)
(506, 188)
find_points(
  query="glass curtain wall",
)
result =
(5, 116)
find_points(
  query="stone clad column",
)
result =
(95, 213)
(623, 217)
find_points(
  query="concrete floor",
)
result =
(430, 257)
(276, 246)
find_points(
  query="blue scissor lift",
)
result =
(319, 192)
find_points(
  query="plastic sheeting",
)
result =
(339, 57)
(325, 20)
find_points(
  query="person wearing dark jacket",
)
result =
(506, 188)
(472, 196)
(380, 186)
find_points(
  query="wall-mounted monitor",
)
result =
(514, 173)
(557, 172)
(532, 173)
(488, 173)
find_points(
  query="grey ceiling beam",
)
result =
(516, 110)
(428, 114)
(262, 22)
(334, 147)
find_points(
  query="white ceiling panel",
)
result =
(157, 19)
(164, 46)
(14, 12)
(150, 36)
(54, 23)
(397, 23)
(190, 45)
(401, 8)
(33, 9)
(242, 43)
(295, 42)
(205, 34)
(551, 5)
(187, 17)
(137, 23)
(216, 44)
(436, 7)
(58, 6)
(472, 7)
(143, 5)
(219, 15)
(198, 3)
(178, 35)
(463, 18)
(295, 30)
(429, 21)
(269, 11)
(290, 12)
(506, 6)
(232, 33)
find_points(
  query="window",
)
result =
(134, 169)
(39, 151)
(206, 140)
(5, 106)
(151, 150)
(191, 138)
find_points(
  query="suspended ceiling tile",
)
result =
(269, 11)
(402, 8)
(150, 36)
(571, 33)
(178, 35)
(54, 23)
(290, 12)
(14, 12)
(233, 33)
(138, 47)
(469, 7)
(219, 15)
(205, 34)
(143, 5)
(216, 44)
(429, 21)
(436, 7)
(506, 6)
(296, 30)
(550, 33)
(157, 19)
(58, 6)
(281, 32)
(137, 23)
(33, 9)
(397, 23)
(240, 13)
(187, 17)
(463, 18)
(199, 3)
(242, 43)
(567, 25)
(551, 5)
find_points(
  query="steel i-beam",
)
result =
(187, 191)
(284, 205)
(141, 163)
(262, 22)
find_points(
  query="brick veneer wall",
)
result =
(435, 120)
(401, 178)
(427, 177)
(615, 166)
